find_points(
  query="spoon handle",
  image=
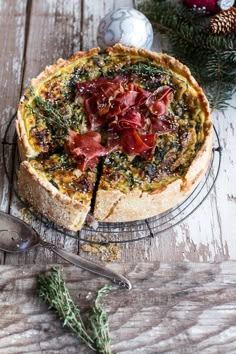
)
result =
(90, 266)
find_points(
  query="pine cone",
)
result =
(224, 22)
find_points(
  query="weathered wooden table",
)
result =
(184, 279)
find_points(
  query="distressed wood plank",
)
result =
(179, 308)
(12, 30)
(54, 32)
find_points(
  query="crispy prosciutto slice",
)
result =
(131, 119)
(159, 100)
(113, 140)
(99, 98)
(134, 143)
(121, 108)
(161, 125)
(86, 148)
(90, 87)
(109, 97)
(142, 94)
(122, 103)
(101, 85)
(91, 107)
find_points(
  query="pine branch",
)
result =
(210, 58)
(174, 18)
(218, 94)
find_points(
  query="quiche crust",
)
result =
(50, 202)
(111, 205)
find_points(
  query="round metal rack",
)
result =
(107, 233)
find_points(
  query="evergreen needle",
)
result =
(53, 290)
(211, 58)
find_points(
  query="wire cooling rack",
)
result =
(107, 233)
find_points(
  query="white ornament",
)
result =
(126, 26)
(225, 4)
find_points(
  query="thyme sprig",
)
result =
(45, 110)
(95, 333)
(58, 123)
(98, 322)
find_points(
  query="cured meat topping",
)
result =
(132, 116)
(85, 148)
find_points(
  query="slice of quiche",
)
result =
(57, 188)
(124, 133)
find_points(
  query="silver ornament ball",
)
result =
(225, 4)
(126, 26)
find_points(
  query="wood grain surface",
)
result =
(171, 309)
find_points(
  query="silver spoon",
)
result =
(16, 236)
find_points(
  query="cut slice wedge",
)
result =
(62, 195)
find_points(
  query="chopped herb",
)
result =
(115, 159)
(198, 127)
(160, 153)
(138, 161)
(198, 145)
(54, 183)
(151, 169)
(149, 75)
(142, 69)
(79, 74)
(98, 60)
(59, 163)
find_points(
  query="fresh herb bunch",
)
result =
(95, 333)
(211, 58)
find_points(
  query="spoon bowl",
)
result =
(12, 242)
(16, 236)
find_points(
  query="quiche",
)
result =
(124, 134)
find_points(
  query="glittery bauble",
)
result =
(126, 26)
(208, 6)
